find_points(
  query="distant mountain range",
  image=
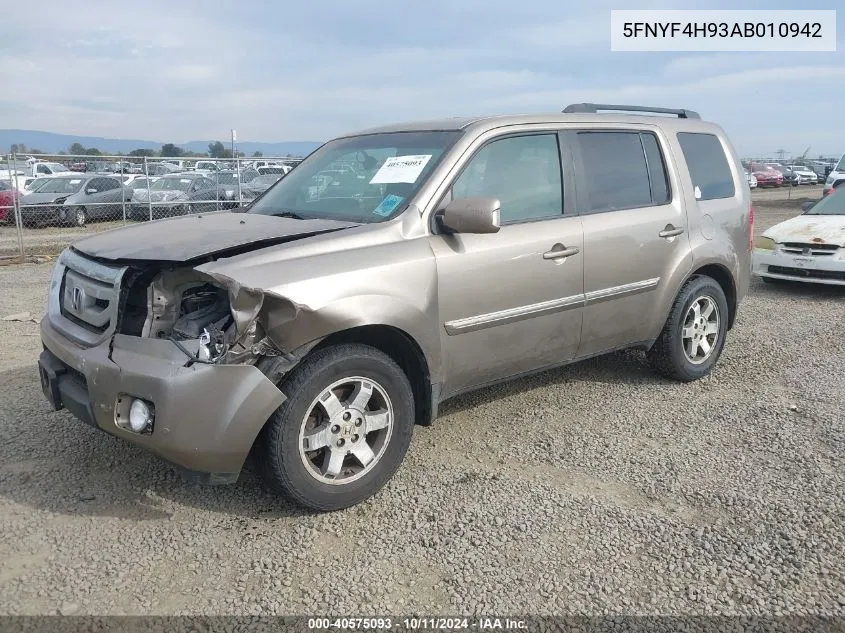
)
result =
(54, 143)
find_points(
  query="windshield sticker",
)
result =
(401, 169)
(185, 181)
(75, 182)
(388, 205)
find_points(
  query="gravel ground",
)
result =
(597, 488)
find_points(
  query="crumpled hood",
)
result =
(830, 229)
(190, 237)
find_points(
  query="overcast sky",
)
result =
(291, 71)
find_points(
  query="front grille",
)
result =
(810, 248)
(808, 273)
(84, 298)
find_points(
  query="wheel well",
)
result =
(723, 277)
(404, 350)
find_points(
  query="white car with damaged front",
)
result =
(810, 247)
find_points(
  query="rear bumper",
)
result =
(206, 416)
(819, 270)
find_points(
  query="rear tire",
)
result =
(693, 337)
(307, 475)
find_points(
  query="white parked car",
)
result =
(806, 176)
(751, 179)
(207, 166)
(810, 247)
(835, 178)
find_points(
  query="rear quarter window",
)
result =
(708, 166)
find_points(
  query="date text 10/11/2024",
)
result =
(416, 623)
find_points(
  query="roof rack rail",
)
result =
(593, 108)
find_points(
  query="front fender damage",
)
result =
(259, 318)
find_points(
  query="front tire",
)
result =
(694, 334)
(343, 431)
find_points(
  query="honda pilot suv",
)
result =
(393, 269)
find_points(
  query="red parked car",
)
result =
(7, 201)
(766, 176)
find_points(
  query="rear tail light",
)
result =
(750, 227)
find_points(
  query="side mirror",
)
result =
(472, 215)
(806, 206)
(91, 190)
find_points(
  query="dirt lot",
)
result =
(597, 488)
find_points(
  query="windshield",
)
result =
(227, 179)
(171, 184)
(366, 178)
(841, 165)
(834, 204)
(55, 167)
(60, 185)
(140, 183)
(264, 181)
(36, 184)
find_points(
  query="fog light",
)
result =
(140, 416)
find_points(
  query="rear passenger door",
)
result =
(635, 232)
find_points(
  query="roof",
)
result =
(489, 122)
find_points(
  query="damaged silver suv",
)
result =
(392, 269)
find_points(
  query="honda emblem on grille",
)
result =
(77, 297)
(805, 251)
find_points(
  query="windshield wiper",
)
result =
(287, 214)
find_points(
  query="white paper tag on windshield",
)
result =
(75, 182)
(401, 169)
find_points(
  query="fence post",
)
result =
(217, 186)
(123, 192)
(16, 194)
(238, 171)
(149, 194)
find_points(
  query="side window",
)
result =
(41, 169)
(615, 171)
(523, 172)
(95, 183)
(109, 183)
(708, 165)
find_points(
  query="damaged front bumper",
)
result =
(207, 416)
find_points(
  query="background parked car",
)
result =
(8, 195)
(806, 175)
(766, 176)
(750, 179)
(227, 183)
(176, 194)
(74, 199)
(789, 177)
(162, 169)
(259, 185)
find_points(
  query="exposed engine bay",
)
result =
(194, 312)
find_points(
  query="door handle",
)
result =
(671, 231)
(559, 251)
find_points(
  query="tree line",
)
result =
(216, 149)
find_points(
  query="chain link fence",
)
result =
(49, 201)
